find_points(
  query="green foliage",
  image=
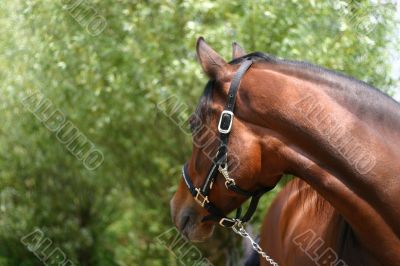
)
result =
(109, 84)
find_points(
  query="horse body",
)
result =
(302, 228)
(365, 193)
(337, 134)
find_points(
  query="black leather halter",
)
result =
(219, 164)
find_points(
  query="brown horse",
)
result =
(336, 133)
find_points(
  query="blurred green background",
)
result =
(107, 79)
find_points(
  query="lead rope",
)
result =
(239, 229)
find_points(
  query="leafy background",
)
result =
(108, 85)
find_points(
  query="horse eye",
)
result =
(192, 127)
(194, 123)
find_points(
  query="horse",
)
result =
(337, 134)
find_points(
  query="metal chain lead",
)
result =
(239, 229)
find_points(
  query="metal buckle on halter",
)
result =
(225, 125)
(200, 198)
(228, 181)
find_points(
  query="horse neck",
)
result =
(362, 100)
(306, 112)
(355, 157)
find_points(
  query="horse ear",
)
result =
(237, 51)
(211, 62)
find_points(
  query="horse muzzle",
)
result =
(189, 223)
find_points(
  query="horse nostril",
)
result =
(184, 222)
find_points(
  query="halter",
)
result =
(219, 164)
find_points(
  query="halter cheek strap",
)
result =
(220, 165)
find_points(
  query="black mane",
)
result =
(352, 93)
(203, 107)
(355, 95)
(308, 67)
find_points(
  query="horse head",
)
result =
(232, 159)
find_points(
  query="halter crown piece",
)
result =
(219, 164)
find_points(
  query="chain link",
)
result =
(239, 229)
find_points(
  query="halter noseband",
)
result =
(219, 164)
